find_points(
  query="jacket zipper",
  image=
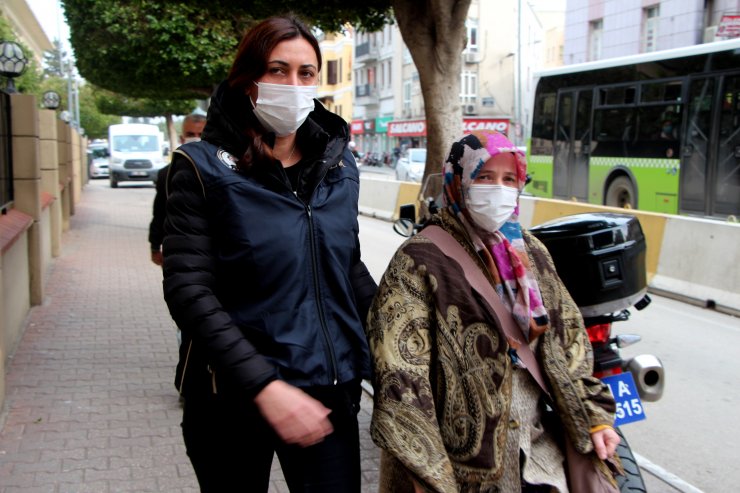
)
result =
(315, 270)
(317, 289)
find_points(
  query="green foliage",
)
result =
(52, 63)
(111, 103)
(29, 81)
(92, 120)
(182, 49)
(139, 48)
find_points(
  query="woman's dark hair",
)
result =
(251, 63)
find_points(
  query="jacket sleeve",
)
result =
(363, 286)
(584, 401)
(189, 281)
(156, 227)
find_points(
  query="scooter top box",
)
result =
(600, 257)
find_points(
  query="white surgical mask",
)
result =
(188, 140)
(282, 108)
(490, 206)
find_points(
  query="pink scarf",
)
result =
(504, 251)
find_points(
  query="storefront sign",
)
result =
(369, 126)
(356, 127)
(729, 26)
(418, 128)
(407, 129)
(478, 124)
(381, 124)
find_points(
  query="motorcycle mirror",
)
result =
(404, 227)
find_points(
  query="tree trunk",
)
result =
(435, 33)
(172, 132)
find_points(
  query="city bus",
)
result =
(657, 131)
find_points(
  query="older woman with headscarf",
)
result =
(455, 409)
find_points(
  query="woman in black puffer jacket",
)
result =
(262, 273)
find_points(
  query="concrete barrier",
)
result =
(381, 196)
(692, 259)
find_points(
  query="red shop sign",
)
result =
(357, 127)
(416, 128)
(477, 124)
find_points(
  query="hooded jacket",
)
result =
(265, 283)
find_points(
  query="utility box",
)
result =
(600, 257)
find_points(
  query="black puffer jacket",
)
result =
(265, 283)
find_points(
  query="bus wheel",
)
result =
(621, 193)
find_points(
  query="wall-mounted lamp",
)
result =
(51, 100)
(12, 63)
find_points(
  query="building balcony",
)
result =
(364, 52)
(366, 95)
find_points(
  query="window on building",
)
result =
(407, 96)
(471, 27)
(468, 87)
(595, 35)
(381, 80)
(331, 72)
(390, 65)
(340, 71)
(650, 18)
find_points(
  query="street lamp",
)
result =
(51, 100)
(12, 63)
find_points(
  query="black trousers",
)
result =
(231, 446)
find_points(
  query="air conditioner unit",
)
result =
(472, 57)
(469, 109)
(710, 34)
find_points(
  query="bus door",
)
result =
(572, 144)
(710, 158)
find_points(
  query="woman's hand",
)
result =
(605, 442)
(294, 415)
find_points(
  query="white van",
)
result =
(135, 152)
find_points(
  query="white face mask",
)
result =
(490, 206)
(282, 108)
(188, 140)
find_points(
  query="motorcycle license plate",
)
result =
(629, 404)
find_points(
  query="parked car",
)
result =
(410, 166)
(98, 160)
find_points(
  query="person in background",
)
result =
(263, 275)
(455, 410)
(192, 128)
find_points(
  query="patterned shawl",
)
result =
(504, 255)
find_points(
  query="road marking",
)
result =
(665, 476)
(702, 319)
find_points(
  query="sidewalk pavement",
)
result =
(90, 403)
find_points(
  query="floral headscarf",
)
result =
(505, 255)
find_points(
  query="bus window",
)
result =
(543, 127)
(614, 132)
(658, 131)
(613, 96)
(658, 92)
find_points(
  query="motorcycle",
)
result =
(600, 257)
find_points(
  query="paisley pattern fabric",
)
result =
(443, 379)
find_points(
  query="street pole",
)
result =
(518, 97)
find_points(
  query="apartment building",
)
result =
(506, 44)
(598, 29)
(335, 86)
